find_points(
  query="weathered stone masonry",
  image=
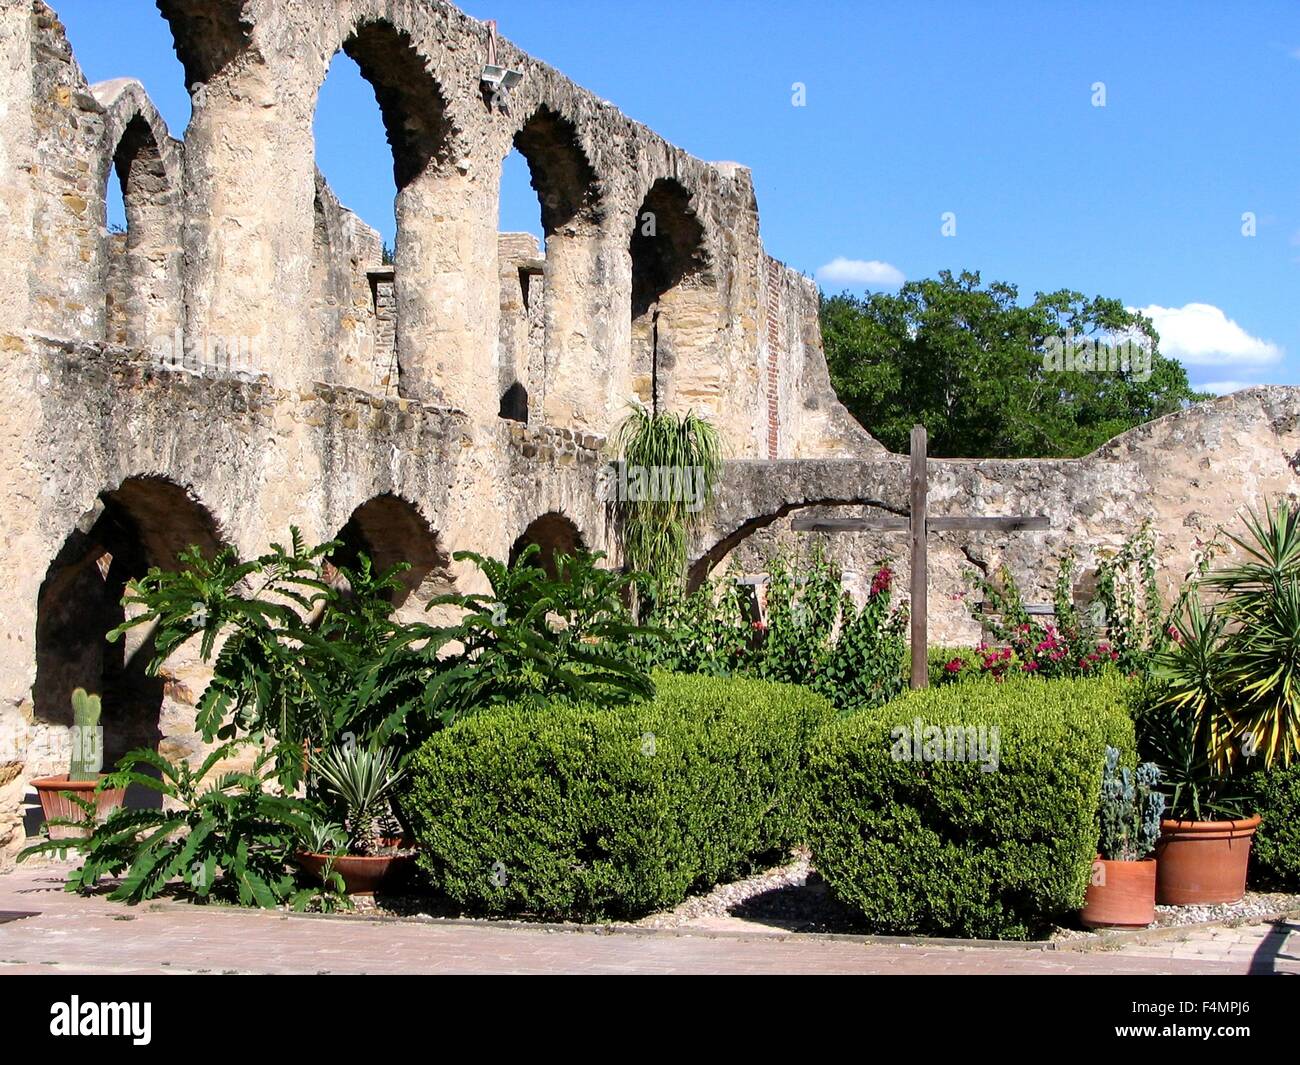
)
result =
(241, 358)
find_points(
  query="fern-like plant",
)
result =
(227, 838)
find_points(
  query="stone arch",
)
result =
(570, 196)
(146, 521)
(722, 546)
(209, 35)
(675, 313)
(142, 267)
(390, 530)
(555, 534)
(428, 274)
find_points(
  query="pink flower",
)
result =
(881, 581)
(953, 665)
(1029, 667)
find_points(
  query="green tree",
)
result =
(966, 360)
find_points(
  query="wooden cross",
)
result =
(919, 524)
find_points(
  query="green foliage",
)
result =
(531, 639)
(311, 661)
(1069, 648)
(814, 635)
(357, 784)
(1227, 690)
(946, 847)
(227, 839)
(1137, 625)
(707, 631)
(949, 665)
(1130, 810)
(588, 811)
(966, 361)
(655, 530)
(1275, 855)
(295, 658)
(85, 761)
(1261, 652)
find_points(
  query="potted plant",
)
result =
(369, 854)
(68, 799)
(1122, 889)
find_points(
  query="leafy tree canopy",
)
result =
(966, 360)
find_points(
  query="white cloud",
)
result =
(1199, 334)
(873, 273)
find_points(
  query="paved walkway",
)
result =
(69, 934)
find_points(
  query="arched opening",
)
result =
(145, 522)
(139, 178)
(546, 331)
(521, 368)
(378, 103)
(209, 35)
(555, 535)
(674, 315)
(388, 530)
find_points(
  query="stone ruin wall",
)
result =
(242, 359)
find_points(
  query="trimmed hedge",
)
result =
(947, 848)
(1275, 854)
(586, 812)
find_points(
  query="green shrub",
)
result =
(1275, 856)
(581, 811)
(956, 847)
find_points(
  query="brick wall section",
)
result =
(385, 329)
(775, 350)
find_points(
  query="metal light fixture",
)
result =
(498, 80)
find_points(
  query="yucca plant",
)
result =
(358, 783)
(656, 450)
(1227, 688)
(1261, 653)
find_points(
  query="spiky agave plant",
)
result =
(358, 781)
(1261, 654)
(671, 464)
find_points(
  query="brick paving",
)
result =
(68, 934)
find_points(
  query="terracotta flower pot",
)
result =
(1203, 862)
(363, 874)
(58, 807)
(1120, 895)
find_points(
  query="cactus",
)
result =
(86, 754)
(1130, 810)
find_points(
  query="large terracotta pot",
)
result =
(363, 874)
(1203, 862)
(58, 807)
(1120, 895)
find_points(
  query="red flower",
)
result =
(1029, 667)
(953, 665)
(881, 581)
(758, 626)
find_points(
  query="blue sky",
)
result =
(914, 109)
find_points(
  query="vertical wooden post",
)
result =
(920, 582)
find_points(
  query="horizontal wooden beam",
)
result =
(1006, 523)
(850, 524)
